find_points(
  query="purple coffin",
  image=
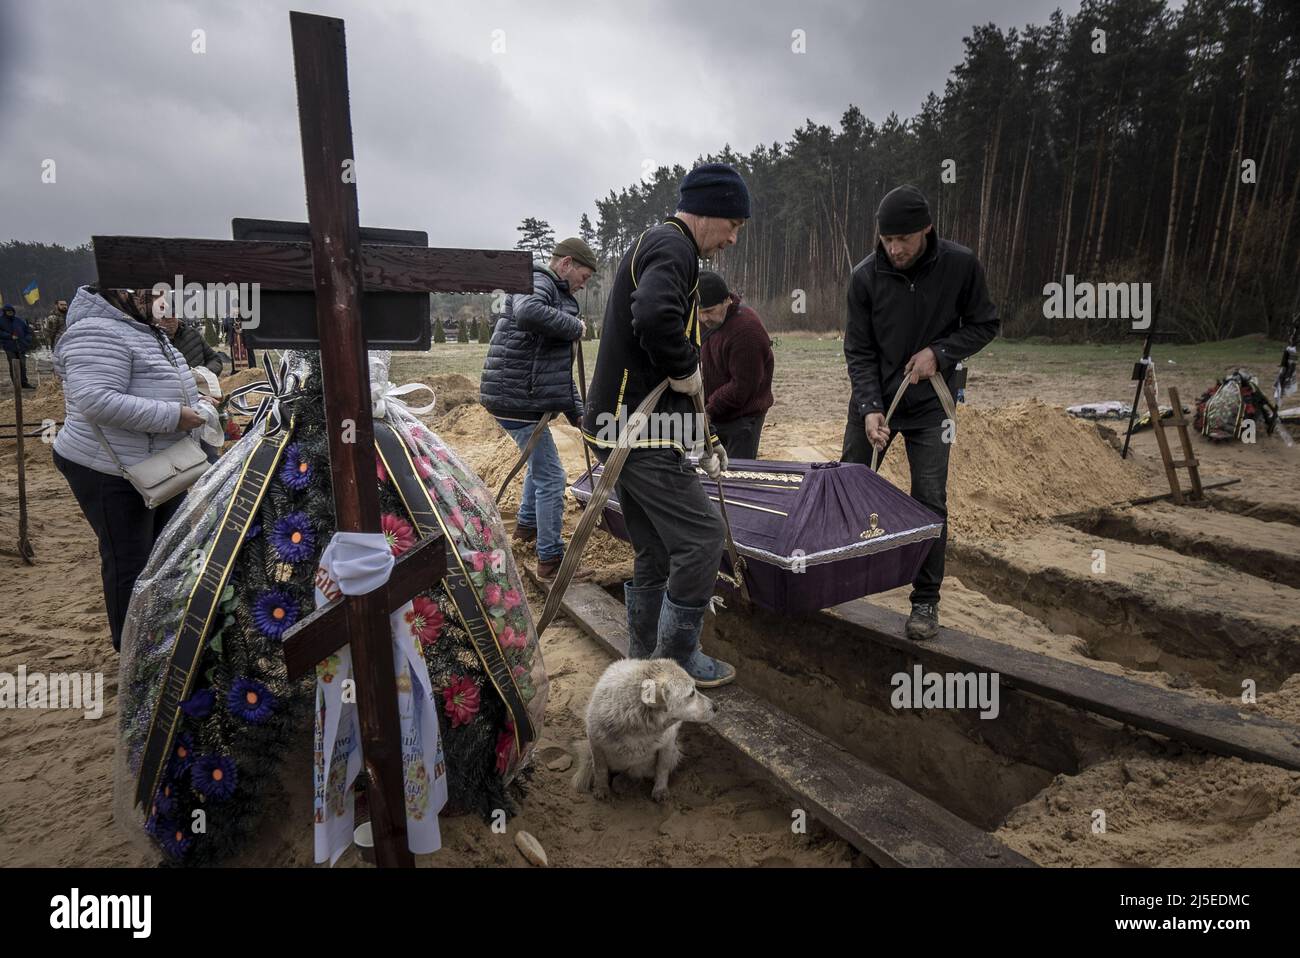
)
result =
(812, 535)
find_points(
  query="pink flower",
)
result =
(492, 594)
(425, 620)
(398, 532)
(441, 454)
(380, 471)
(423, 467)
(460, 701)
(518, 671)
(505, 750)
(511, 639)
(512, 598)
(456, 518)
(477, 523)
(479, 561)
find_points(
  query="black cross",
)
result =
(337, 268)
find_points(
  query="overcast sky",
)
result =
(452, 136)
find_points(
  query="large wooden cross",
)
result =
(337, 268)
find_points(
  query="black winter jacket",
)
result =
(944, 305)
(651, 331)
(191, 344)
(529, 366)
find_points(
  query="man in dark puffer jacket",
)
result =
(528, 373)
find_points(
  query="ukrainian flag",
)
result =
(32, 293)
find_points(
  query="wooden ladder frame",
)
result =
(1179, 421)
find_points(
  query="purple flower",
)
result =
(164, 802)
(253, 532)
(274, 612)
(175, 840)
(213, 776)
(182, 756)
(251, 701)
(293, 538)
(296, 471)
(199, 705)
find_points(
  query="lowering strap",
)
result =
(600, 495)
(945, 400)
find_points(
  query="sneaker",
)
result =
(923, 623)
(524, 535)
(546, 570)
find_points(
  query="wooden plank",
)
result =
(130, 262)
(1221, 729)
(1189, 457)
(889, 822)
(325, 125)
(1153, 404)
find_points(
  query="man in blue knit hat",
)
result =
(651, 333)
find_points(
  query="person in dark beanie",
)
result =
(528, 374)
(651, 333)
(736, 358)
(917, 305)
(15, 342)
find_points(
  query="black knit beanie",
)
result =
(714, 189)
(903, 210)
(713, 289)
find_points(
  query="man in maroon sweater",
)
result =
(736, 359)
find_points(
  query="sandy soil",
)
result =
(1017, 461)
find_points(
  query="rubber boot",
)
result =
(643, 605)
(679, 639)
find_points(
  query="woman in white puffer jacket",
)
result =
(120, 373)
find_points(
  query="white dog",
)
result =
(632, 721)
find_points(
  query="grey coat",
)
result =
(117, 373)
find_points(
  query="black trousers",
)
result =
(927, 459)
(740, 436)
(675, 528)
(126, 529)
(22, 366)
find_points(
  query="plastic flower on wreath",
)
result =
(511, 638)
(511, 599)
(199, 704)
(492, 595)
(176, 841)
(518, 671)
(457, 519)
(274, 612)
(423, 467)
(250, 700)
(425, 620)
(479, 560)
(182, 755)
(213, 776)
(293, 538)
(398, 532)
(297, 471)
(460, 700)
(164, 802)
(505, 748)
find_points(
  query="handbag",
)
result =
(164, 475)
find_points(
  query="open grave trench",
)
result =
(1194, 600)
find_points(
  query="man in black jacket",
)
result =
(917, 306)
(528, 374)
(651, 333)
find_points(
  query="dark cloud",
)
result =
(452, 136)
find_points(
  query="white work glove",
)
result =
(690, 385)
(715, 465)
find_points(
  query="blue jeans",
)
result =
(542, 504)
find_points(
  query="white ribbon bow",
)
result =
(385, 398)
